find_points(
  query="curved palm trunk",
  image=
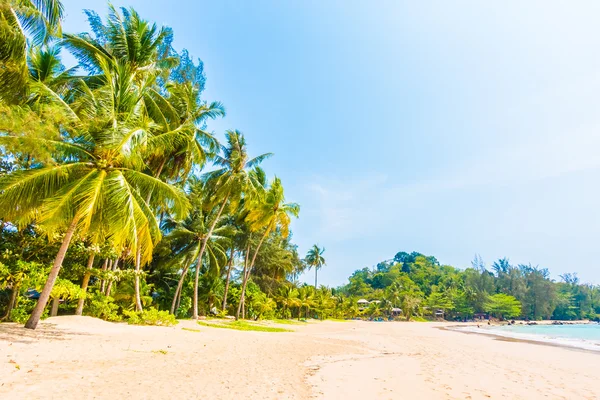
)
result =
(106, 266)
(247, 274)
(204, 242)
(196, 279)
(34, 319)
(136, 282)
(84, 284)
(241, 304)
(114, 267)
(179, 287)
(11, 302)
(227, 279)
(178, 299)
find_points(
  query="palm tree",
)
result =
(322, 301)
(204, 229)
(38, 20)
(410, 301)
(92, 183)
(86, 279)
(232, 179)
(305, 299)
(180, 143)
(314, 259)
(288, 298)
(268, 212)
(230, 262)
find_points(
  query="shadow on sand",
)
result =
(16, 333)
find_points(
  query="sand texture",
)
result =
(85, 358)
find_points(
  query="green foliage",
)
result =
(150, 316)
(103, 307)
(21, 312)
(503, 306)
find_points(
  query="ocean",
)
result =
(583, 336)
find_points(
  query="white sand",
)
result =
(81, 357)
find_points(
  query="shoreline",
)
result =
(81, 357)
(588, 347)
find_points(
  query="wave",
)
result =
(578, 343)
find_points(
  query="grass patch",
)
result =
(243, 326)
(191, 330)
(338, 320)
(160, 351)
(287, 321)
(418, 319)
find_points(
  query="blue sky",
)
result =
(449, 128)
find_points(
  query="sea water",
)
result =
(583, 336)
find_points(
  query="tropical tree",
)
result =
(93, 180)
(267, 213)
(288, 299)
(305, 300)
(314, 259)
(39, 20)
(204, 229)
(503, 306)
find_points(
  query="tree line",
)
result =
(420, 285)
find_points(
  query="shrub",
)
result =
(103, 307)
(150, 316)
(21, 313)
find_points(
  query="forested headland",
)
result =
(420, 285)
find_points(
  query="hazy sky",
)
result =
(448, 128)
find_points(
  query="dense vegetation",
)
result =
(115, 198)
(420, 285)
(116, 201)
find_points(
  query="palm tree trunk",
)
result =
(241, 303)
(247, 272)
(179, 287)
(84, 284)
(197, 277)
(227, 279)
(136, 282)
(178, 299)
(105, 267)
(34, 319)
(54, 309)
(110, 282)
(199, 264)
(316, 270)
(11, 302)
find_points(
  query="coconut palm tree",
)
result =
(314, 259)
(37, 20)
(288, 298)
(204, 229)
(267, 213)
(232, 180)
(93, 182)
(180, 143)
(305, 299)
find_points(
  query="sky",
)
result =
(448, 128)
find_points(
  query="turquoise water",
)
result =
(583, 336)
(589, 332)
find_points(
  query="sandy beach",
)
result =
(81, 357)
